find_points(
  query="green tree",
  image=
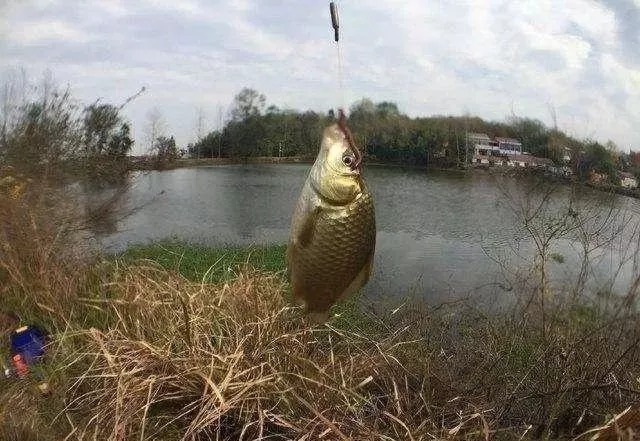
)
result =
(387, 109)
(246, 104)
(44, 133)
(598, 158)
(532, 133)
(209, 146)
(120, 143)
(362, 110)
(104, 131)
(165, 148)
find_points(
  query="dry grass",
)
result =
(40, 262)
(176, 359)
(191, 361)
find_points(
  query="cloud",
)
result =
(488, 58)
(41, 32)
(627, 17)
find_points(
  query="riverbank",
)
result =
(175, 341)
(143, 164)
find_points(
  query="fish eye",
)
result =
(348, 160)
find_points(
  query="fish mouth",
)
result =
(342, 124)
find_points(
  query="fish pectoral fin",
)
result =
(307, 230)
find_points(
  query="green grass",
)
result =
(205, 264)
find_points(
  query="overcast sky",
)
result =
(488, 58)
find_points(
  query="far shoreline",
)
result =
(140, 164)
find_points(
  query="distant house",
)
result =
(509, 146)
(506, 152)
(627, 180)
(481, 144)
(478, 138)
(634, 157)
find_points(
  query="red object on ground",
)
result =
(20, 366)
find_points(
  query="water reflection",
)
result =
(104, 202)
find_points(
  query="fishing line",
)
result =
(340, 77)
(335, 23)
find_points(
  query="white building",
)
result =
(627, 180)
(485, 146)
(509, 146)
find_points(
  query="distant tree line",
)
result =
(43, 128)
(253, 130)
(386, 134)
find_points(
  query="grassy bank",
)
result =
(204, 264)
(174, 341)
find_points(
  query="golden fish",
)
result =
(333, 232)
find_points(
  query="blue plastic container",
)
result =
(29, 342)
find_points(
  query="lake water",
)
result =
(436, 230)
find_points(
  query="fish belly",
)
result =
(337, 261)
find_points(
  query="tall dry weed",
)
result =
(39, 265)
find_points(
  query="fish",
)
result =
(332, 236)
